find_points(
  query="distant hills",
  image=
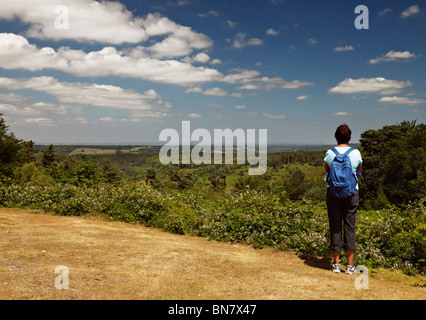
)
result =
(77, 149)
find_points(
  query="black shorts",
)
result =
(342, 214)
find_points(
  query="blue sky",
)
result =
(81, 71)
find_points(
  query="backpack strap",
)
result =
(349, 151)
(335, 151)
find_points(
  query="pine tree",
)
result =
(10, 151)
(48, 157)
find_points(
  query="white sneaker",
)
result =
(350, 269)
(335, 268)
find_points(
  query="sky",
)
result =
(120, 72)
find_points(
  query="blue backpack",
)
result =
(341, 179)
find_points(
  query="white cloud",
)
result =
(302, 97)
(368, 85)
(103, 22)
(268, 84)
(312, 42)
(265, 115)
(181, 41)
(17, 53)
(215, 92)
(193, 90)
(275, 2)
(19, 110)
(240, 107)
(89, 20)
(40, 108)
(401, 100)
(201, 58)
(241, 41)
(272, 32)
(231, 24)
(250, 80)
(342, 113)
(40, 121)
(213, 13)
(410, 11)
(390, 91)
(130, 120)
(183, 3)
(394, 56)
(12, 97)
(44, 114)
(345, 48)
(87, 94)
(274, 116)
(250, 86)
(385, 12)
(148, 114)
(110, 62)
(241, 76)
(254, 42)
(213, 105)
(237, 95)
(195, 115)
(55, 109)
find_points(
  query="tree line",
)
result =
(393, 169)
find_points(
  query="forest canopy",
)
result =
(394, 162)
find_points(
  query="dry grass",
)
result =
(112, 260)
(82, 151)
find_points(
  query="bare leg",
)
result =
(350, 254)
(336, 256)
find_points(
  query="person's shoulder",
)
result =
(356, 154)
(356, 151)
(329, 152)
(329, 156)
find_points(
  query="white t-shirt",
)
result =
(354, 156)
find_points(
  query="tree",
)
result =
(394, 164)
(86, 172)
(10, 151)
(295, 183)
(110, 173)
(150, 175)
(28, 152)
(48, 157)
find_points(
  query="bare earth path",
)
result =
(112, 260)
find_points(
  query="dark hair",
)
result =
(343, 134)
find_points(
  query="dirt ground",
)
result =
(99, 260)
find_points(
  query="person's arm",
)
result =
(359, 170)
(326, 166)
